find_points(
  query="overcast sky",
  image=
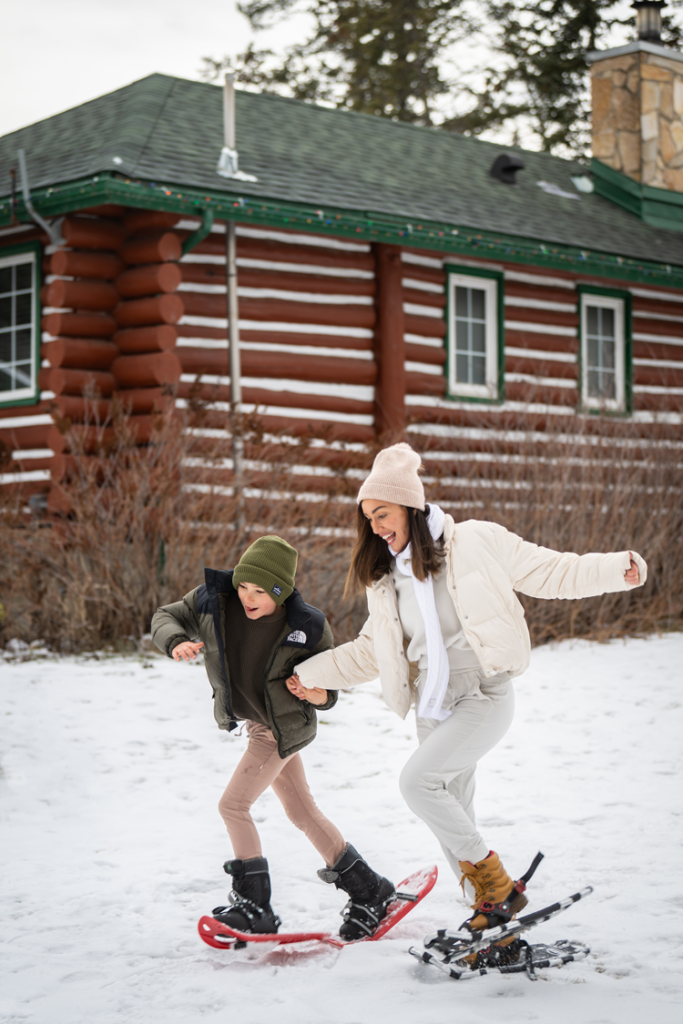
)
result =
(57, 54)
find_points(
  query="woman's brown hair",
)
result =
(371, 558)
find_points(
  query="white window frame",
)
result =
(29, 392)
(617, 404)
(489, 285)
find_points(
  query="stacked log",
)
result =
(147, 369)
(78, 352)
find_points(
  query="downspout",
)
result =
(54, 230)
(233, 310)
(200, 234)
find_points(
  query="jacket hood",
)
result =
(305, 621)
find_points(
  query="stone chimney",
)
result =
(637, 89)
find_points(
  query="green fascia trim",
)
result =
(19, 249)
(110, 187)
(657, 207)
(627, 299)
(499, 277)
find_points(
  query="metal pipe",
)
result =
(233, 307)
(54, 230)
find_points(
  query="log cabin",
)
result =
(392, 281)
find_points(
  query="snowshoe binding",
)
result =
(249, 909)
(370, 894)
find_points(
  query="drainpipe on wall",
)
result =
(53, 230)
(233, 311)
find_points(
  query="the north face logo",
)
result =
(297, 637)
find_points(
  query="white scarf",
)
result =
(437, 657)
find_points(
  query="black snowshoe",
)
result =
(250, 909)
(370, 894)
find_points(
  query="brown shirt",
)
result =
(249, 647)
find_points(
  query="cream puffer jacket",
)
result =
(485, 565)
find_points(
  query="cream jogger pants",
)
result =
(437, 782)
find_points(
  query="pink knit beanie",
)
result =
(394, 478)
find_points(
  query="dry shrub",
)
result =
(580, 493)
(144, 521)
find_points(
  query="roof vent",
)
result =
(505, 167)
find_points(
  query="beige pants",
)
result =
(260, 767)
(437, 782)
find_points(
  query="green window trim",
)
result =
(29, 395)
(492, 393)
(622, 406)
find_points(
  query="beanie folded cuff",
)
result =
(274, 587)
(391, 492)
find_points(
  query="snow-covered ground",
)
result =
(112, 848)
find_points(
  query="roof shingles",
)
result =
(169, 129)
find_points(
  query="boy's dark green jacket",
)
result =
(305, 632)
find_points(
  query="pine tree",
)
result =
(388, 57)
(541, 87)
(374, 56)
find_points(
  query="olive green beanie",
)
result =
(270, 562)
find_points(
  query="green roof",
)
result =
(166, 129)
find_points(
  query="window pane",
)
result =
(468, 340)
(23, 308)
(607, 325)
(5, 312)
(592, 320)
(478, 337)
(17, 359)
(462, 369)
(23, 345)
(478, 303)
(608, 354)
(5, 347)
(593, 352)
(462, 335)
(24, 274)
(593, 384)
(478, 369)
(607, 385)
(23, 375)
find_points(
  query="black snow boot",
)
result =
(370, 894)
(250, 909)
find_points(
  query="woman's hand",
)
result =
(316, 695)
(632, 575)
(186, 650)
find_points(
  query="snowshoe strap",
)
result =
(520, 884)
(526, 877)
(251, 910)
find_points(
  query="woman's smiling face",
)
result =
(388, 521)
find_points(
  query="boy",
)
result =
(254, 628)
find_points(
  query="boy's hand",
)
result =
(186, 650)
(314, 696)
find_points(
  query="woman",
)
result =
(446, 631)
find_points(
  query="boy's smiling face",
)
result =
(255, 601)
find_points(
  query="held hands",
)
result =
(632, 576)
(187, 650)
(316, 695)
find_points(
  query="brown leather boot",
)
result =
(497, 898)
